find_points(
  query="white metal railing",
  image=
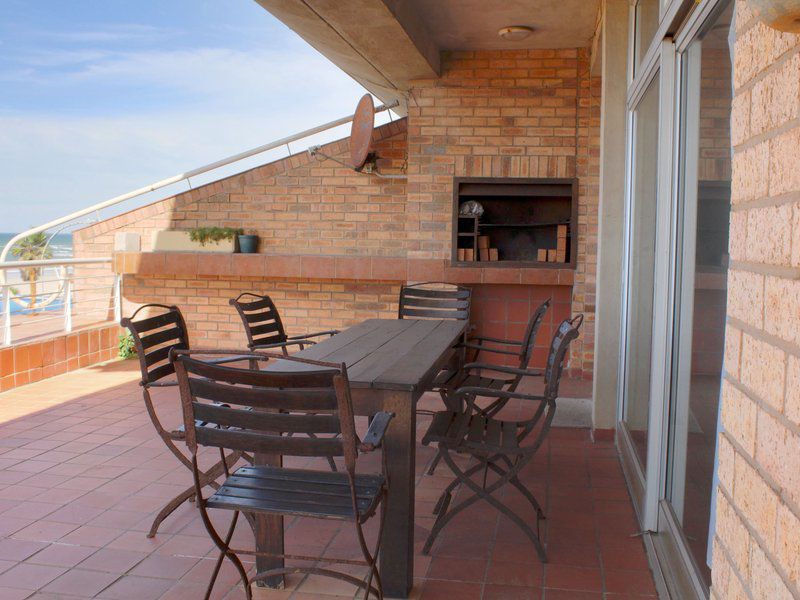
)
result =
(41, 297)
(178, 178)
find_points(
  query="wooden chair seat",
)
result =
(449, 377)
(486, 435)
(298, 492)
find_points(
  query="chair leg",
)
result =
(221, 557)
(483, 493)
(372, 558)
(169, 508)
(225, 551)
(435, 462)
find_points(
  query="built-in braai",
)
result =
(515, 221)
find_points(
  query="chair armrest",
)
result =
(504, 369)
(277, 345)
(377, 429)
(484, 338)
(227, 359)
(330, 332)
(483, 348)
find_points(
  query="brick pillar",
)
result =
(757, 537)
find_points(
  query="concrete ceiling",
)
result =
(384, 44)
(473, 24)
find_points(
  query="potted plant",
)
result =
(248, 243)
(198, 239)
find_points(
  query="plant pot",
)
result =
(248, 244)
(783, 15)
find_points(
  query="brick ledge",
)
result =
(349, 268)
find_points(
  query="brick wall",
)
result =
(297, 205)
(525, 114)
(757, 539)
(513, 113)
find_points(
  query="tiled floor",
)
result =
(82, 472)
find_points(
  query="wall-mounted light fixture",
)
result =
(515, 33)
(783, 15)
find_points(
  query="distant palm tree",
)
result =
(33, 247)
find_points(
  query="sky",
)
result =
(99, 97)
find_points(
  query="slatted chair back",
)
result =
(434, 300)
(260, 411)
(154, 337)
(566, 332)
(529, 339)
(261, 319)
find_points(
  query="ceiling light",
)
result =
(515, 33)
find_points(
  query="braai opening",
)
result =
(515, 221)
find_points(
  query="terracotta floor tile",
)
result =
(564, 577)
(91, 535)
(112, 560)
(510, 592)
(29, 577)
(7, 593)
(44, 531)
(508, 573)
(457, 569)
(448, 590)
(79, 582)
(61, 555)
(163, 566)
(630, 582)
(137, 588)
(550, 594)
(18, 550)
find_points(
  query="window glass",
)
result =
(641, 269)
(700, 322)
(647, 16)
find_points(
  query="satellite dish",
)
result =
(361, 132)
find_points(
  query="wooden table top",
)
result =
(391, 354)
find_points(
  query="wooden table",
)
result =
(390, 363)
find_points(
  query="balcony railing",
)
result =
(44, 297)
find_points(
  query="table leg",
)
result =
(397, 548)
(269, 533)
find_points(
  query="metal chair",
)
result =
(154, 337)
(263, 325)
(434, 300)
(317, 394)
(497, 444)
(264, 329)
(437, 300)
(474, 374)
(488, 375)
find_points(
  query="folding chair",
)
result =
(437, 300)
(263, 325)
(154, 337)
(434, 300)
(486, 375)
(497, 444)
(264, 329)
(308, 396)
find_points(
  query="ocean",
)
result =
(61, 245)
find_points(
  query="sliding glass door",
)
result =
(699, 342)
(678, 212)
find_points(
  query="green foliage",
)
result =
(32, 247)
(205, 235)
(127, 349)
